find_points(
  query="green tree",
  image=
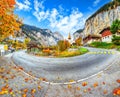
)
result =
(115, 26)
(116, 40)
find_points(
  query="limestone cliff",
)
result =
(102, 18)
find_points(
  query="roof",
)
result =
(106, 32)
(95, 36)
(108, 28)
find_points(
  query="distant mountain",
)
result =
(43, 36)
(77, 33)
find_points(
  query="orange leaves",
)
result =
(116, 91)
(24, 95)
(3, 92)
(118, 80)
(71, 80)
(9, 22)
(26, 79)
(95, 84)
(4, 88)
(25, 90)
(33, 91)
(78, 88)
(69, 86)
(21, 68)
(11, 3)
(84, 84)
(105, 92)
(39, 87)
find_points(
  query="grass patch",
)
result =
(103, 45)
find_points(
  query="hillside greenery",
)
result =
(115, 27)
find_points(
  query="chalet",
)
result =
(91, 38)
(106, 35)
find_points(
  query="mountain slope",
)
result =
(42, 36)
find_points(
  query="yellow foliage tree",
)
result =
(9, 22)
(78, 41)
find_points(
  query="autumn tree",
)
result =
(9, 22)
(78, 41)
(63, 45)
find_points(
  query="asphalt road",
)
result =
(65, 69)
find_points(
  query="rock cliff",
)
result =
(103, 18)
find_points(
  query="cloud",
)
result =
(57, 20)
(95, 3)
(38, 5)
(42, 15)
(69, 23)
(23, 6)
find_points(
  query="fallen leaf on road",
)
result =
(24, 95)
(3, 92)
(25, 90)
(71, 80)
(85, 91)
(78, 88)
(69, 86)
(118, 80)
(105, 92)
(39, 87)
(103, 83)
(89, 89)
(95, 84)
(10, 89)
(33, 91)
(116, 91)
(84, 84)
(26, 79)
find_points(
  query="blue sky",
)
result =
(63, 16)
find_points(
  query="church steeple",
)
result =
(69, 36)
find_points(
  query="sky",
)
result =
(64, 16)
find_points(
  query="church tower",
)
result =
(69, 36)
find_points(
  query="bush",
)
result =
(118, 48)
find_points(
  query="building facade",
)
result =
(106, 35)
